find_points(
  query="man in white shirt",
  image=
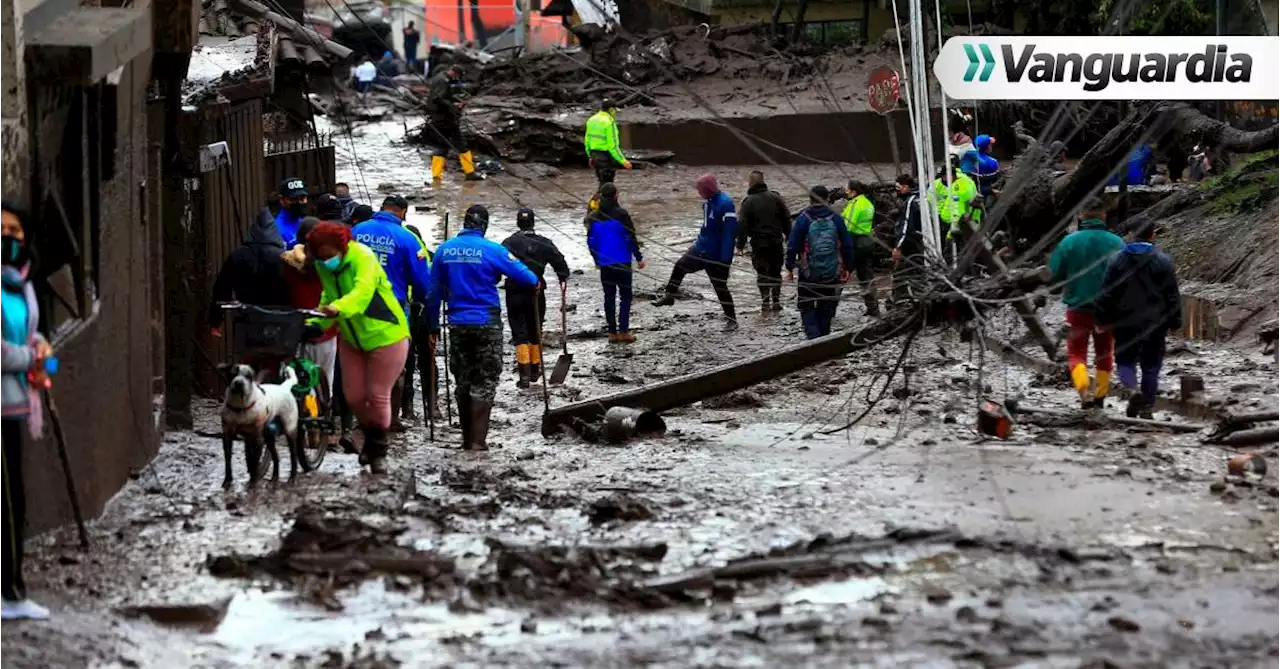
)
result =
(366, 72)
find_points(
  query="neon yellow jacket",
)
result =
(859, 215)
(940, 197)
(602, 135)
(369, 315)
(963, 194)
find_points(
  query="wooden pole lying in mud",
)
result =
(1064, 418)
(690, 388)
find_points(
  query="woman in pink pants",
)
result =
(374, 333)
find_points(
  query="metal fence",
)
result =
(307, 157)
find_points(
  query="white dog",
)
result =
(247, 409)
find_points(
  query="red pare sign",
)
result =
(882, 89)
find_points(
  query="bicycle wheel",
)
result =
(313, 431)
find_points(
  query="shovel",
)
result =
(561, 371)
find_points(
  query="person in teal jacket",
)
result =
(1079, 264)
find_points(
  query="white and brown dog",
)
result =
(247, 409)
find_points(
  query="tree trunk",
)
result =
(798, 29)
(1042, 200)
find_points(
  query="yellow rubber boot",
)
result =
(535, 354)
(1102, 384)
(437, 167)
(523, 355)
(1080, 379)
(469, 166)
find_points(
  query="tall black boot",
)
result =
(480, 425)
(525, 375)
(375, 449)
(464, 417)
(397, 400)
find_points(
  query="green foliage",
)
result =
(1156, 17)
(1250, 183)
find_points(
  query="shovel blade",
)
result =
(561, 372)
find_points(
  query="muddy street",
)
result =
(752, 534)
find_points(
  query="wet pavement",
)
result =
(744, 537)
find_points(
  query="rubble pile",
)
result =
(627, 68)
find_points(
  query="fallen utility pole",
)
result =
(728, 378)
(691, 388)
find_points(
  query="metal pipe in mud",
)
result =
(623, 423)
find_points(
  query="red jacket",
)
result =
(304, 293)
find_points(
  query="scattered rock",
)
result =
(875, 621)
(529, 626)
(1123, 624)
(1217, 487)
(204, 617)
(774, 609)
(743, 399)
(618, 506)
(937, 595)
(966, 614)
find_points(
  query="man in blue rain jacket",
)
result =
(712, 252)
(465, 276)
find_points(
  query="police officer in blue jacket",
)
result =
(404, 259)
(465, 277)
(712, 252)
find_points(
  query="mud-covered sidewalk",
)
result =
(745, 537)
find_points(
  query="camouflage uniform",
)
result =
(475, 351)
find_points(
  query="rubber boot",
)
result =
(523, 357)
(375, 449)
(437, 167)
(766, 300)
(777, 298)
(480, 425)
(535, 362)
(1080, 380)
(397, 397)
(469, 166)
(872, 304)
(464, 418)
(1101, 387)
(668, 298)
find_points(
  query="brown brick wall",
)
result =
(104, 389)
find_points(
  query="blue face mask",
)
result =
(331, 264)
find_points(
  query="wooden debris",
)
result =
(1052, 418)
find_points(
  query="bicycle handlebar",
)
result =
(240, 306)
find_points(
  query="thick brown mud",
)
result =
(745, 537)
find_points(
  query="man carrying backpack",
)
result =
(824, 247)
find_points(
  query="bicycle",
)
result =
(278, 334)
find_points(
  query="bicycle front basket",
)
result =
(266, 332)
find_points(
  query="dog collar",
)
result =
(244, 408)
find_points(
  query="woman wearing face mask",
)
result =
(374, 333)
(24, 355)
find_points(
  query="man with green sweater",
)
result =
(1079, 265)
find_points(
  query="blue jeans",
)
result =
(616, 280)
(816, 317)
(1134, 349)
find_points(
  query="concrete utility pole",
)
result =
(14, 164)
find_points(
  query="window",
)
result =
(75, 155)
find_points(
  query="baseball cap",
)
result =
(524, 218)
(293, 187)
(396, 201)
